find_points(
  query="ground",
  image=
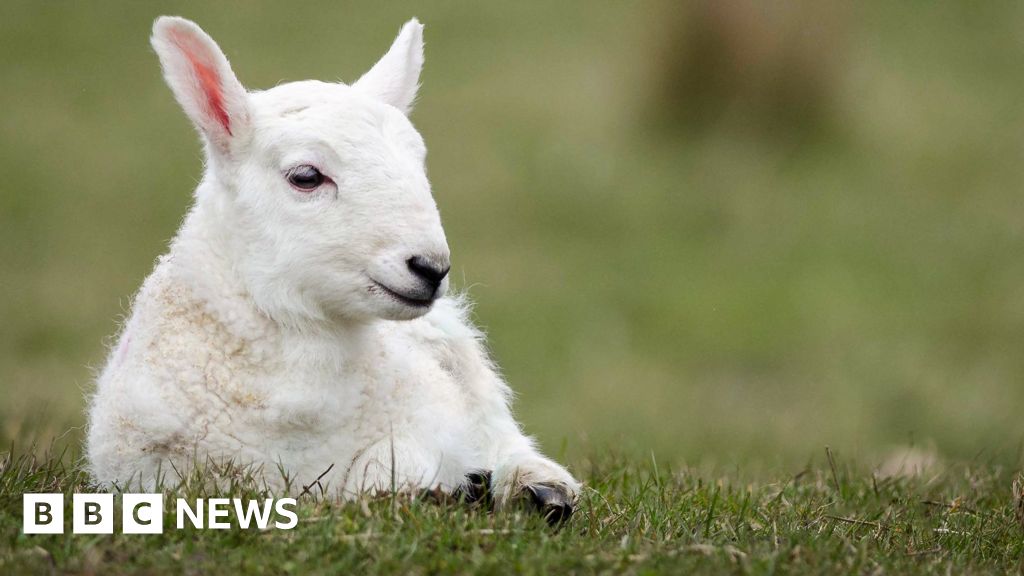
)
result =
(636, 516)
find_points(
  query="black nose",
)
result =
(428, 270)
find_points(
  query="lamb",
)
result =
(300, 319)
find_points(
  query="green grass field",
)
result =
(716, 238)
(635, 516)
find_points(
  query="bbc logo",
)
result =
(93, 514)
(144, 513)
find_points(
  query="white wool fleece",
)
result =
(298, 320)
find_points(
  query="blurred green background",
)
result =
(727, 231)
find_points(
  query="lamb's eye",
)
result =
(305, 178)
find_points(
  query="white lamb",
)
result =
(299, 318)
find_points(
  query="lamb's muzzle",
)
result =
(431, 271)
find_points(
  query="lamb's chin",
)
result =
(376, 307)
(395, 310)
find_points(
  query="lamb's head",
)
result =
(320, 195)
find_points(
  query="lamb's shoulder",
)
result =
(459, 348)
(177, 340)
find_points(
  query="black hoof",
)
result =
(555, 504)
(477, 489)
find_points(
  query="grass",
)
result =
(635, 517)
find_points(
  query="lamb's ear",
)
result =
(395, 78)
(202, 80)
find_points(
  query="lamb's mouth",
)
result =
(407, 300)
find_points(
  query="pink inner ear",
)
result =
(199, 56)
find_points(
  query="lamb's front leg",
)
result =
(518, 471)
(522, 474)
(399, 464)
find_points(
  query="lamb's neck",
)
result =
(199, 263)
(202, 260)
